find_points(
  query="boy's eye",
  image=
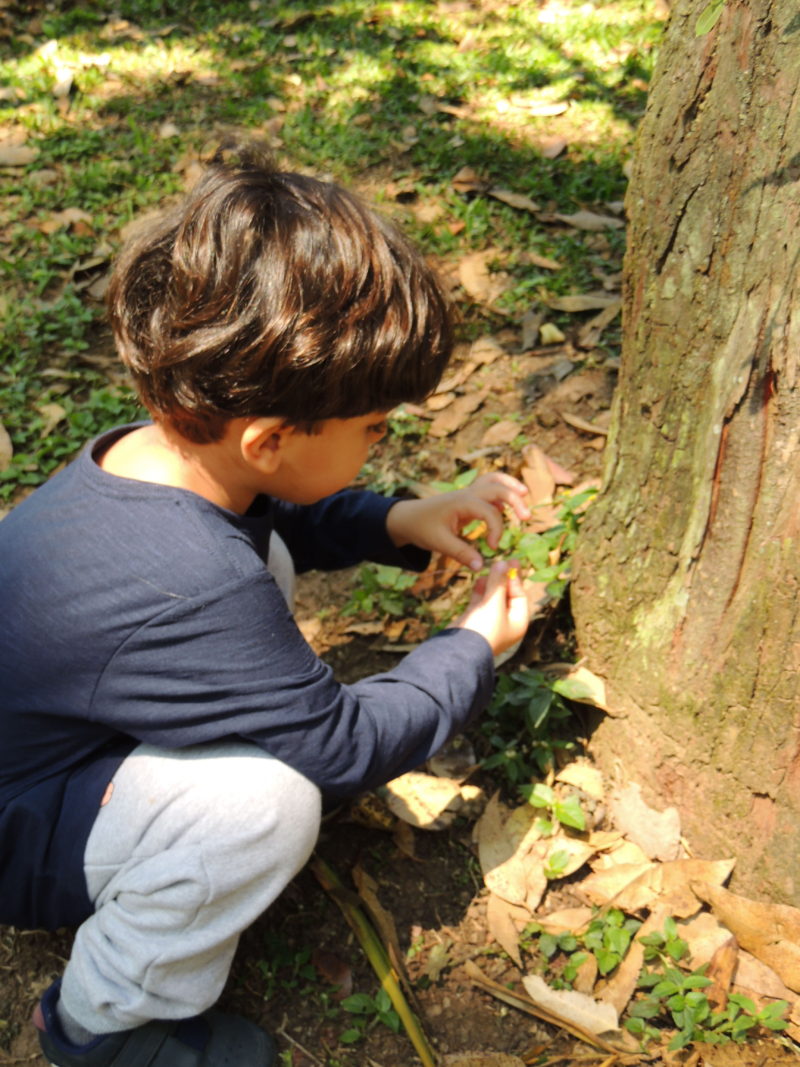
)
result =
(378, 429)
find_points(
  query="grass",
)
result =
(380, 96)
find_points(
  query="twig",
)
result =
(288, 1037)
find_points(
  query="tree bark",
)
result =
(685, 588)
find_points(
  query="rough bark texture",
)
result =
(686, 578)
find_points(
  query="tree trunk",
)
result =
(686, 577)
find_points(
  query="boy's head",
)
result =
(272, 293)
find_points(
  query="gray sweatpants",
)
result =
(190, 848)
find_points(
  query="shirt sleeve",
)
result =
(341, 531)
(235, 665)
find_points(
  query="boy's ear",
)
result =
(263, 441)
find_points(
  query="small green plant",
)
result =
(285, 968)
(383, 589)
(367, 1012)
(520, 723)
(677, 995)
(607, 938)
(567, 811)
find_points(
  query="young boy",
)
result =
(166, 734)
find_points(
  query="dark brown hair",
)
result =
(272, 293)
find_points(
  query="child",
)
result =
(166, 734)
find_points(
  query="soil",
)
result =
(294, 966)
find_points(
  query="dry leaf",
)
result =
(535, 260)
(703, 934)
(518, 200)
(439, 401)
(549, 334)
(384, 922)
(593, 1016)
(770, 931)
(6, 448)
(422, 799)
(594, 428)
(575, 849)
(16, 155)
(628, 886)
(501, 433)
(511, 853)
(720, 971)
(621, 852)
(758, 978)
(485, 350)
(588, 220)
(482, 285)
(455, 760)
(552, 147)
(581, 301)
(538, 476)
(454, 417)
(52, 414)
(590, 333)
(505, 922)
(658, 833)
(335, 970)
(584, 776)
(566, 921)
(468, 180)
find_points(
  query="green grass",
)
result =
(368, 94)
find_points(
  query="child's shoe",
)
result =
(209, 1040)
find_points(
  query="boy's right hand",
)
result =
(498, 609)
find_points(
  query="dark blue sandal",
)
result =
(209, 1040)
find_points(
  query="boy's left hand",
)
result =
(435, 523)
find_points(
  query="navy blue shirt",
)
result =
(135, 612)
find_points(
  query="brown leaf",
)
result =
(16, 155)
(468, 180)
(501, 433)
(482, 285)
(535, 260)
(335, 970)
(590, 333)
(482, 1059)
(589, 220)
(505, 922)
(454, 417)
(456, 760)
(770, 931)
(485, 350)
(439, 401)
(720, 971)
(52, 414)
(422, 799)
(584, 776)
(6, 448)
(517, 200)
(511, 853)
(594, 428)
(537, 475)
(581, 301)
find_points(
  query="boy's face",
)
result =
(315, 465)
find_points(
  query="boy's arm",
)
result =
(343, 530)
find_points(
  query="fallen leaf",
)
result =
(760, 979)
(589, 220)
(590, 333)
(593, 1016)
(505, 922)
(581, 302)
(538, 476)
(438, 959)
(71, 217)
(52, 414)
(535, 260)
(573, 852)
(384, 922)
(720, 971)
(595, 429)
(485, 350)
(335, 970)
(552, 147)
(549, 334)
(704, 934)
(501, 433)
(468, 180)
(481, 284)
(584, 776)
(658, 833)
(422, 799)
(6, 448)
(517, 200)
(16, 155)
(511, 853)
(629, 886)
(566, 921)
(457, 378)
(770, 931)
(454, 417)
(439, 401)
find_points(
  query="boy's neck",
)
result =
(155, 454)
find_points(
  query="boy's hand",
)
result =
(436, 522)
(498, 609)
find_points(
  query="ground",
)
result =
(296, 963)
